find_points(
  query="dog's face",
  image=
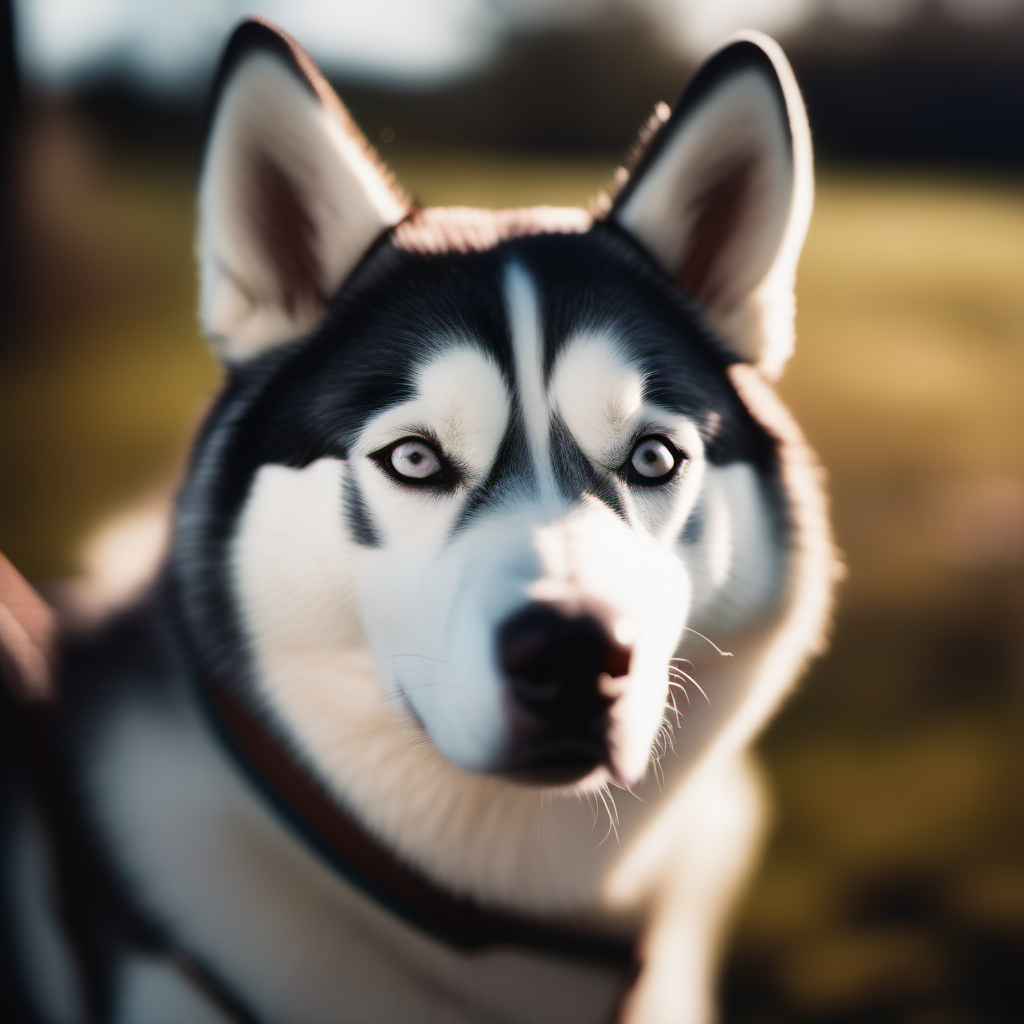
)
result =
(506, 457)
(523, 595)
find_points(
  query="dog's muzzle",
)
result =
(559, 664)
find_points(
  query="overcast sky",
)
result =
(173, 43)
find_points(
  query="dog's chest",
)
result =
(243, 894)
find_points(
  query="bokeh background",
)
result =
(893, 883)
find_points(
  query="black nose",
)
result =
(553, 660)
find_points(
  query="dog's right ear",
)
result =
(721, 196)
(291, 196)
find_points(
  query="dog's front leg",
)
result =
(680, 947)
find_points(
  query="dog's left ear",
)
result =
(291, 196)
(722, 192)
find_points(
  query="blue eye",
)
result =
(415, 460)
(653, 460)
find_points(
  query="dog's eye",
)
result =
(653, 460)
(415, 460)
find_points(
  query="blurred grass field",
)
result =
(893, 886)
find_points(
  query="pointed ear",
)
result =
(722, 193)
(290, 196)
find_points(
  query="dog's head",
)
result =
(499, 450)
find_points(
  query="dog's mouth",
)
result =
(551, 758)
(539, 756)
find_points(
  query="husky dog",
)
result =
(494, 554)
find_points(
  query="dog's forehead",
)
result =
(596, 301)
(592, 285)
(541, 349)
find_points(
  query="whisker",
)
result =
(613, 827)
(628, 789)
(702, 693)
(675, 708)
(611, 801)
(665, 740)
(659, 774)
(679, 686)
(591, 800)
(679, 682)
(659, 753)
(689, 678)
(422, 657)
(724, 654)
(400, 695)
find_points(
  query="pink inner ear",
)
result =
(287, 234)
(717, 214)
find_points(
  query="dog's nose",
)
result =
(553, 660)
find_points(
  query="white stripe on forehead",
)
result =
(528, 353)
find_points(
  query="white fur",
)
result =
(682, 940)
(528, 347)
(599, 396)
(736, 569)
(216, 865)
